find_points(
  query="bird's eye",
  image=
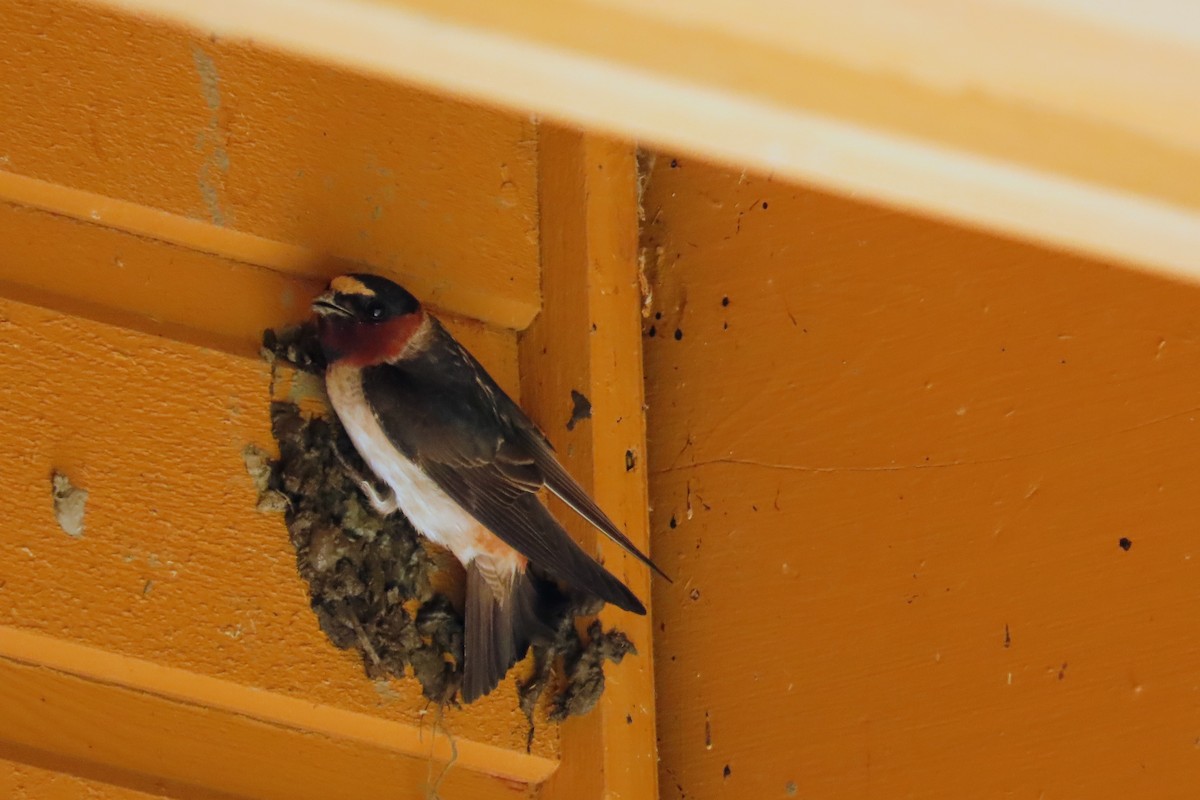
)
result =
(375, 311)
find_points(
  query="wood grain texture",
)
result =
(587, 341)
(436, 193)
(175, 567)
(144, 284)
(892, 464)
(24, 782)
(1051, 119)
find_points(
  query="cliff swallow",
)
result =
(464, 464)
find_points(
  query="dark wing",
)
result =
(533, 446)
(438, 414)
(518, 517)
(560, 482)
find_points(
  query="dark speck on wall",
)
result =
(678, 334)
(629, 460)
(764, 205)
(674, 163)
(581, 409)
(658, 315)
(673, 523)
(652, 332)
(725, 300)
(1125, 543)
(727, 771)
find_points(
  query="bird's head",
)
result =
(366, 319)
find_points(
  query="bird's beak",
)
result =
(327, 304)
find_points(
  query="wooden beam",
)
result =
(587, 340)
(87, 711)
(147, 270)
(294, 270)
(1056, 120)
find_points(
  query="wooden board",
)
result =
(929, 498)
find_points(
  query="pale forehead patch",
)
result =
(344, 284)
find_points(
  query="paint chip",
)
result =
(70, 502)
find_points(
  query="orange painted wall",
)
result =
(892, 462)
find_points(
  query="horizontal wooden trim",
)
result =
(298, 267)
(88, 705)
(1054, 119)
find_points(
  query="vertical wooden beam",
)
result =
(588, 340)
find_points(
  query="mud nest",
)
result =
(373, 580)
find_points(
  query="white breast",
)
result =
(431, 511)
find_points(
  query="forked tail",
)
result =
(499, 629)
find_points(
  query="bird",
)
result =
(463, 463)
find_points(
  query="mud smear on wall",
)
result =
(378, 587)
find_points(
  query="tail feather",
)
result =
(498, 629)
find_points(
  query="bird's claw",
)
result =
(384, 503)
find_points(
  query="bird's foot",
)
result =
(379, 495)
(383, 502)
